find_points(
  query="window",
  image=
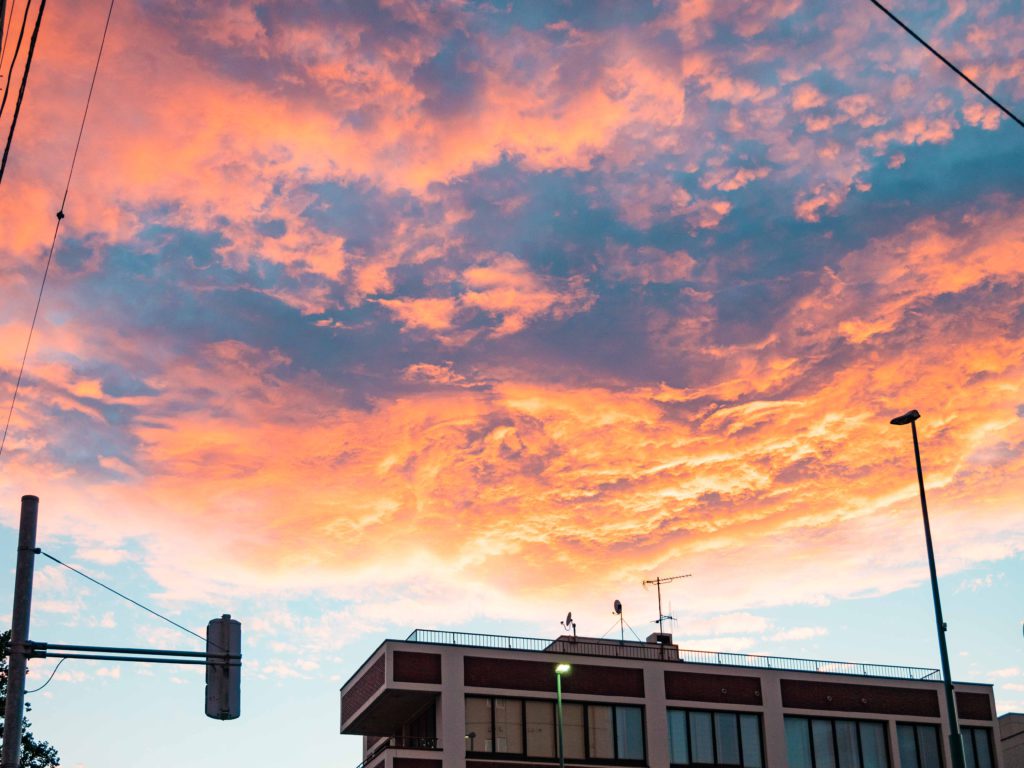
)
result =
(977, 747)
(479, 728)
(600, 731)
(820, 742)
(540, 729)
(697, 737)
(629, 733)
(919, 746)
(508, 726)
(573, 732)
(500, 725)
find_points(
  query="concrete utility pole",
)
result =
(20, 615)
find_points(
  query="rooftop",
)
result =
(588, 646)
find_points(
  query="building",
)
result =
(1011, 737)
(461, 700)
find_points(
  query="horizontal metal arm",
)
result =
(105, 657)
(42, 650)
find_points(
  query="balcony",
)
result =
(671, 653)
(432, 744)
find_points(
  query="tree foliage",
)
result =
(34, 754)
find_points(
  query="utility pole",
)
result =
(20, 615)
(222, 657)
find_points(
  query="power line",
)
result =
(7, 32)
(17, 50)
(125, 597)
(3, 28)
(21, 88)
(36, 690)
(85, 112)
(31, 329)
(60, 213)
(949, 64)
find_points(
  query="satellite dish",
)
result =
(568, 618)
(618, 607)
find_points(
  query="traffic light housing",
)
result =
(223, 668)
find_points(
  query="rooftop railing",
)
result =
(658, 652)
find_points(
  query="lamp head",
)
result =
(562, 669)
(907, 418)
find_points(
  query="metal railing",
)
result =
(401, 742)
(656, 652)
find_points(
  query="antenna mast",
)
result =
(658, 581)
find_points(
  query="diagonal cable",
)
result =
(60, 213)
(949, 64)
(133, 602)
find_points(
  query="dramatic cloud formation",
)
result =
(427, 302)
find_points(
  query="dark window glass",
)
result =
(840, 744)
(982, 746)
(798, 743)
(821, 736)
(907, 739)
(977, 747)
(702, 746)
(928, 746)
(678, 741)
(969, 748)
(872, 745)
(540, 729)
(479, 737)
(847, 748)
(727, 738)
(629, 733)
(750, 737)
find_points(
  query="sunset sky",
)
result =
(371, 316)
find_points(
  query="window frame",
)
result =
(809, 719)
(586, 729)
(975, 731)
(918, 727)
(714, 736)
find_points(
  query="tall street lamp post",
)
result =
(560, 670)
(956, 744)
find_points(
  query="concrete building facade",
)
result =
(461, 700)
(1011, 739)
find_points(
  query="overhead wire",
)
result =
(17, 50)
(60, 212)
(130, 600)
(949, 64)
(36, 690)
(21, 88)
(7, 30)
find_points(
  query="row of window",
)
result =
(822, 743)
(507, 726)
(816, 742)
(714, 738)
(527, 727)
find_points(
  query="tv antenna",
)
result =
(658, 581)
(569, 623)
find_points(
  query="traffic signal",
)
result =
(223, 668)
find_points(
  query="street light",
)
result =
(563, 669)
(956, 744)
